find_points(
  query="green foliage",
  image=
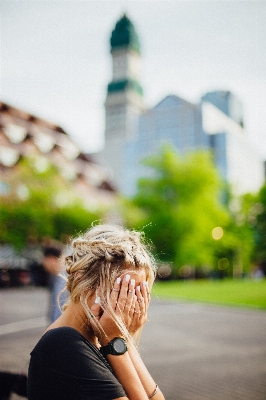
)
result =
(237, 243)
(258, 218)
(41, 204)
(180, 206)
(70, 221)
(20, 221)
(181, 203)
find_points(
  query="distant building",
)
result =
(23, 135)
(226, 102)
(133, 131)
(236, 159)
(124, 102)
(174, 121)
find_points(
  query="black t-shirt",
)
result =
(65, 366)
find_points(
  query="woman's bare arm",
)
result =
(129, 368)
(141, 309)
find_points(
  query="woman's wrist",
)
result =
(106, 340)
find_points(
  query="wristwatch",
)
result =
(116, 346)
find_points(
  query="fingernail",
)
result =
(118, 280)
(97, 300)
(147, 284)
(127, 277)
(138, 288)
(132, 282)
(144, 283)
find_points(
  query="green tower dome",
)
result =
(124, 35)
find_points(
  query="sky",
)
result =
(56, 62)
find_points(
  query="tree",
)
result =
(180, 206)
(258, 218)
(41, 203)
(236, 247)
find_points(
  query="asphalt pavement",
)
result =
(193, 351)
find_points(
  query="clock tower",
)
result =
(124, 101)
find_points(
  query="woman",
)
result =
(89, 352)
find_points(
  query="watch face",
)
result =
(116, 346)
(119, 346)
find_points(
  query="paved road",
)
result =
(194, 351)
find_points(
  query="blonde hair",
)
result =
(98, 258)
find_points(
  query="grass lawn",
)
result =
(242, 293)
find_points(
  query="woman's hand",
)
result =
(129, 303)
(142, 301)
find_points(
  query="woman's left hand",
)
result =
(142, 301)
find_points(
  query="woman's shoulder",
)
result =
(60, 338)
(61, 332)
(64, 348)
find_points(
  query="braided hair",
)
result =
(98, 258)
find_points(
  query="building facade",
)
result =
(25, 136)
(134, 132)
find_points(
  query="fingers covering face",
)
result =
(126, 297)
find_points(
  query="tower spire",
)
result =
(124, 101)
(124, 35)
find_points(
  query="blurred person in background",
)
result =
(56, 283)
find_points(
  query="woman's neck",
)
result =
(75, 317)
